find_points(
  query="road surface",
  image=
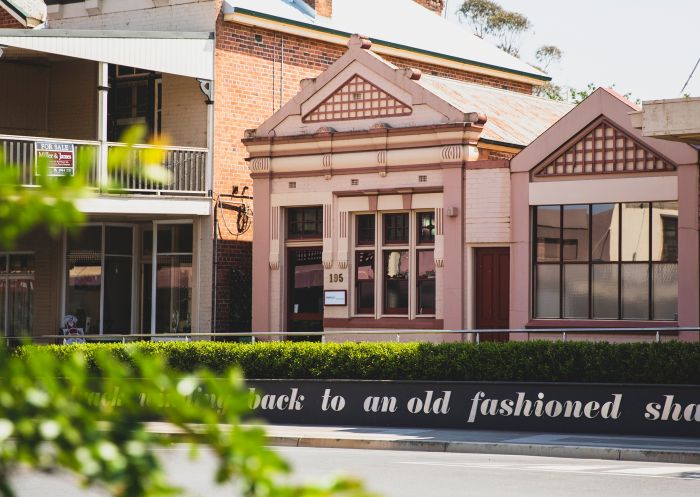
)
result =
(421, 474)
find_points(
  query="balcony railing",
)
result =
(187, 166)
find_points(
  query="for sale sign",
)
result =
(60, 157)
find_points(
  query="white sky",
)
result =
(645, 47)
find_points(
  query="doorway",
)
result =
(304, 291)
(492, 291)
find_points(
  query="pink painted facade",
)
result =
(379, 206)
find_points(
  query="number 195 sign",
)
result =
(60, 157)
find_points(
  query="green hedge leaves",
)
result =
(667, 363)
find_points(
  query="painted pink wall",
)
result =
(453, 296)
(519, 253)
(261, 255)
(688, 251)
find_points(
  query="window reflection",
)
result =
(575, 233)
(635, 231)
(548, 232)
(605, 233)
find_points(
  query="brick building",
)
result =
(258, 54)
(382, 208)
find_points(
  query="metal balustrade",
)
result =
(474, 336)
(186, 166)
(20, 151)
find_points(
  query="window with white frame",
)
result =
(394, 273)
(16, 293)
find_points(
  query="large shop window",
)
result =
(606, 261)
(109, 287)
(399, 246)
(16, 293)
(172, 278)
(99, 270)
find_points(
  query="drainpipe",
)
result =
(102, 94)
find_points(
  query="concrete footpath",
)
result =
(615, 447)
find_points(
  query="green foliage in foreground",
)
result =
(669, 362)
(52, 418)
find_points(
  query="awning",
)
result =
(29, 13)
(183, 53)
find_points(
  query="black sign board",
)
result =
(552, 407)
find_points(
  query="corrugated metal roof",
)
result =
(187, 54)
(512, 117)
(399, 22)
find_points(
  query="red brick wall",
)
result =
(233, 286)
(248, 73)
(322, 7)
(7, 21)
(435, 5)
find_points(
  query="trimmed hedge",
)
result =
(668, 363)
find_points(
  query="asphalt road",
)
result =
(427, 474)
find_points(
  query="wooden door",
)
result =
(492, 290)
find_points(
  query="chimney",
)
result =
(437, 6)
(321, 7)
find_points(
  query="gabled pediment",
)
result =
(357, 98)
(603, 148)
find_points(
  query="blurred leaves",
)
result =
(54, 415)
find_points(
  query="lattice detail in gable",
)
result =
(357, 99)
(604, 150)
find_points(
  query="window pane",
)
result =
(87, 239)
(20, 298)
(174, 238)
(665, 231)
(426, 227)
(605, 291)
(635, 231)
(575, 291)
(364, 282)
(22, 264)
(365, 229)
(395, 228)
(84, 278)
(305, 222)
(117, 298)
(665, 291)
(548, 233)
(635, 291)
(575, 233)
(425, 280)
(3, 269)
(118, 240)
(547, 291)
(396, 264)
(174, 293)
(606, 232)
(147, 243)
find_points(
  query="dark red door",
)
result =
(492, 289)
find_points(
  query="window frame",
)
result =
(380, 247)
(590, 262)
(317, 235)
(6, 276)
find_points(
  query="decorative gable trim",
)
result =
(357, 98)
(603, 148)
